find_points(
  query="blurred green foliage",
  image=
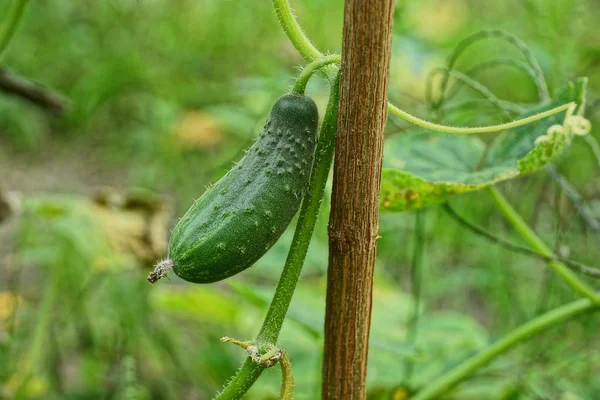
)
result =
(165, 95)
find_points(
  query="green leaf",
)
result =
(424, 168)
(518, 146)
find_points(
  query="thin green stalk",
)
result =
(572, 264)
(416, 278)
(517, 64)
(294, 32)
(311, 68)
(11, 24)
(287, 378)
(298, 38)
(479, 88)
(465, 43)
(474, 130)
(249, 372)
(33, 359)
(241, 381)
(586, 213)
(552, 318)
(471, 105)
(537, 244)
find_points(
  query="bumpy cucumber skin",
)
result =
(241, 217)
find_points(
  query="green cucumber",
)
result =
(240, 218)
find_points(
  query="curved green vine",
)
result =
(475, 130)
(515, 41)
(484, 65)
(287, 378)
(294, 32)
(476, 86)
(516, 64)
(311, 68)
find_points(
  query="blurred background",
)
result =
(164, 96)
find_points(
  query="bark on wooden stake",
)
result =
(354, 221)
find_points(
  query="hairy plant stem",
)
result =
(311, 68)
(478, 129)
(294, 32)
(287, 378)
(11, 24)
(243, 380)
(269, 333)
(552, 318)
(567, 275)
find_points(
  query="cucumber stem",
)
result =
(294, 32)
(298, 38)
(287, 378)
(161, 270)
(311, 68)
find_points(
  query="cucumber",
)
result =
(240, 218)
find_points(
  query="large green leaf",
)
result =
(423, 168)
